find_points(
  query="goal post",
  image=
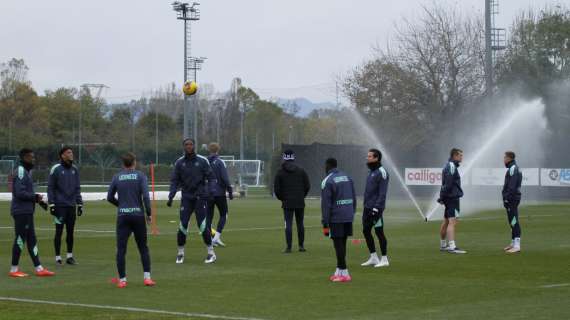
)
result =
(245, 172)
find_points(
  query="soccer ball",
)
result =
(190, 88)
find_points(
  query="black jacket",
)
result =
(291, 185)
(451, 182)
(513, 181)
(23, 194)
(64, 187)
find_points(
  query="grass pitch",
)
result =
(253, 279)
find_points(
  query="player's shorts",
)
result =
(371, 220)
(340, 230)
(451, 208)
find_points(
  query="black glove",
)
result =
(39, 198)
(374, 212)
(506, 204)
(52, 210)
(148, 219)
(43, 205)
(80, 210)
(231, 193)
(440, 201)
(169, 203)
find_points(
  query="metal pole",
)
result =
(488, 48)
(241, 156)
(186, 102)
(195, 110)
(156, 136)
(80, 127)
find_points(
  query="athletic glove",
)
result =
(326, 230)
(506, 203)
(43, 205)
(440, 201)
(80, 210)
(148, 219)
(230, 193)
(169, 203)
(39, 197)
(52, 209)
(374, 211)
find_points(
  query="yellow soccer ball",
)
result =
(190, 88)
(213, 231)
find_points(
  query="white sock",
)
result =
(217, 236)
(385, 258)
(344, 272)
(337, 272)
(39, 268)
(69, 255)
(443, 243)
(147, 275)
(181, 250)
(451, 244)
(123, 279)
(517, 242)
(374, 255)
(57, 258)
(211, 249)
(15, 269)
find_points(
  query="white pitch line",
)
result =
(132, 309)
(556, 285)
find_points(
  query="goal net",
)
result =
(245, 172)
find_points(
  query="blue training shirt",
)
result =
(131, 186)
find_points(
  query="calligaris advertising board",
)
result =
(427, 176)
(548, 177)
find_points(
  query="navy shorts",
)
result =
(451, 208)
(340, 230)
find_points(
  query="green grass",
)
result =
(252, 278)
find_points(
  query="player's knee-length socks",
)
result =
(340, 249)
(367, 231)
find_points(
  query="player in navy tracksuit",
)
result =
(65, 202)
(374, 205)
(192, 173)
(22, 209)
(338, 204)
(132, 203)
(449, 196)
(218, 197)
(511, 200)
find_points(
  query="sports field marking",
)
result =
(132, 309)
(556, 285)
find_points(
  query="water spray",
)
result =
(370, 133)
(492, 140)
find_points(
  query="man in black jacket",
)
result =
(511, 200)
(65, 202)
(449, 196)
(291, 187)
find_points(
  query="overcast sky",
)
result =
(281, 48)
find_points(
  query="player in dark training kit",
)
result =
(218, 197)
(22, 209)
(511, 200)
(65, 202)
(132, 203)
(449, 196)
(374, 205)
(338, 205)
(192, 173)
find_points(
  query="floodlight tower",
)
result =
(495, 40)
(187, 13)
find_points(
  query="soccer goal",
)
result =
(245, 172)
